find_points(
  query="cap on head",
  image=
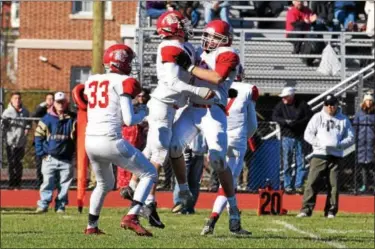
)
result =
(59, 96)
(287, 91)
(330, 99)
(368, 96)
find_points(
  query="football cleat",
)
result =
(209, 227)
(153, 217)
(235, 223)
(94, 230)
(131, 222)
(127, 193)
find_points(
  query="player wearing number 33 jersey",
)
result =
(109, 105)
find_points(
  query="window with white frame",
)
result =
(14, 12)
(85, 8)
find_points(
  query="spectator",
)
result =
(214, 8)
(189, 10)
(369, 9)
(299, 18)
(194, 158)
(135, 135)
(157, 8)
(16, 130)
(292, 115)
(330, 133)
(325, 13)
(346, 15)
(55, 141)
(39, 112)
(364, 123)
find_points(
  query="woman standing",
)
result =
(364, 123)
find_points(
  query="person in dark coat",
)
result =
(40, 112)
(292, 115)
(364, 126)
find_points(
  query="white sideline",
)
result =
(311, 235)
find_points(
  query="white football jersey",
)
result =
(164, 92)
(209, 61)
(104, 116)
(242, 115)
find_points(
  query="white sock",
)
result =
(219, 204)
(141, 193)
(232, 201)
(150, 199)
(133, 184)
(135, 209)
(183, 187)
(92, 225)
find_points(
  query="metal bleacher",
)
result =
(266, 55)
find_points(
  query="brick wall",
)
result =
(33, 74)
(50, 20)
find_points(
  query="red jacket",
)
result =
(297, 15)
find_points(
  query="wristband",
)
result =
(191, 68)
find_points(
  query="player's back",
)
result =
(238, 113)
(167, 49)
(209, 61)
(103, 109)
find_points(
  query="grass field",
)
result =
(21, 228)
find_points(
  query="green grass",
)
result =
(21, 228)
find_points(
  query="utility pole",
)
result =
(98, 36)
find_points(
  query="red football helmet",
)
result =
(173, 23)
(118, 59)
(217, 33)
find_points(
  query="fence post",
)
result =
(140, 53)
(342, 54)
(360, 92)
(1, 132)
(281, 164)
(242, 48)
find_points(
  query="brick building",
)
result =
(61, 33)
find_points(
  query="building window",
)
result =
(78, 75)
(84, 9)
(15, 17)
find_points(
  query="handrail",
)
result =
(276, 31)
(314, 100)
(331, 90)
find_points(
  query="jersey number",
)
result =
(98, 94)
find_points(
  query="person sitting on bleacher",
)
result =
(214, 8)
(345, 13)
(299, 18)
(156, 8)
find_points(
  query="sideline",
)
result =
(311, 235)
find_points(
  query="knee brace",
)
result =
(217, 161)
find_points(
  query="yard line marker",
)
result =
(311, 235)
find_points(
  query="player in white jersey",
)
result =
(217, 70)
(171, 93)
(242, 124)
(109, 106)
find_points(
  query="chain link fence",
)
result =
(267, 163)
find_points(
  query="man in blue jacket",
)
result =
(55, 143)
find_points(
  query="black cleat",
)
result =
(152, 214)
(127, 193)
(235, 223)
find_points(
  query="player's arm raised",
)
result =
(225, 63)
(130, 88)
(169, 54)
